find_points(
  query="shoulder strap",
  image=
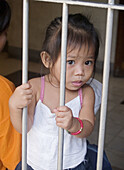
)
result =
(80, 95)
(42, 89)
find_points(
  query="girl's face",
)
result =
(3, 38)
(79, 67)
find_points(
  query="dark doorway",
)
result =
(119, 57)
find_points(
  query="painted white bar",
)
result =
(24, 80)
(88, 4)
(62, 81)
(106, 71)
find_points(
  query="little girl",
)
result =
(42, 95)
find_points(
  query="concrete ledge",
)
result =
(34, 55)
(16, 52)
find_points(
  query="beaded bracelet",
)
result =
(79, 131)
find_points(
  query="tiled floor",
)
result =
(114, 135)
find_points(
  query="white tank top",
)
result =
(42, 139)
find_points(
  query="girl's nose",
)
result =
(79, 70)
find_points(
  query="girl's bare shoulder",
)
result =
(35, 81)
(36, 86)
(87, 90)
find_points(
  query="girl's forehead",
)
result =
(83, 49)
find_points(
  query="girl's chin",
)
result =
(73, 88)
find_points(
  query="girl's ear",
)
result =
(46, 59)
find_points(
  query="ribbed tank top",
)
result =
(42, 139)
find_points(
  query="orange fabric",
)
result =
(10, 139)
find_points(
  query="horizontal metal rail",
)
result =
(88, 4)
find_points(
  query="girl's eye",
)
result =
(71, 62)
(88, 63)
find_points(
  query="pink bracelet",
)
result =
(79, 131)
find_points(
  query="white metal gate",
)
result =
(110, 6)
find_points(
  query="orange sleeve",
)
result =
(10, 139)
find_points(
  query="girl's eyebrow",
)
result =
(91, 57)
(71, 56)
(87, 57)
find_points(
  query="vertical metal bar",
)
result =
(62, 80)
(105, 85)
(24, 80)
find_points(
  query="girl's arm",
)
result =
(23, 96)
(86, 114)
(65, 119)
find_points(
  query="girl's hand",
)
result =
(64, 117)
(22, 96)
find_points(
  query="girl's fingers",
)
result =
(62, 108)
(60, 114)
(24, 90)
(63, 123)
(60, 122)
(25, 86)
(59, 119)
(27, 102)
(28, 92)
(28, 97)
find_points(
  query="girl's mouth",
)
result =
(77, 83)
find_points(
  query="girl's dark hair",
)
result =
(80, 32)
(5, 15)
